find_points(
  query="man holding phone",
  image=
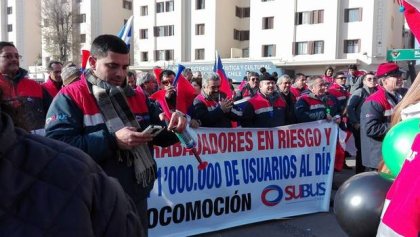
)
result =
(102, 115)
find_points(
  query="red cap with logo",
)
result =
(386, 69)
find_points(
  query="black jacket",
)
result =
(48, 188)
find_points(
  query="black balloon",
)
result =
(358, 203)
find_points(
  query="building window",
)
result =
(199, 54)
(240, 35)
(144, 11)
(127, 5)
(310, 17)
(301, 48)
(199, 29)
(163, 30)
(242, 12)
(318, 47)
(317, 16)
(9, 28)
(351, 46)
(303, 18)
(160, 7)
(9, 10)
(144, 56)
(81, 18)
(169, 6)
(164, 55)
(266, 0)
(63, 1)
(144, 34)
(82, 38)
(200, 4)
(352, 14)
(267, 23)
(269, 50)
(245, 52)
(78, 0)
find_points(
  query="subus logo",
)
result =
(275, 191)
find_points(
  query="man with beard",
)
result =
(267, 108)
(24, 95)
(212, 107)
(102, 115)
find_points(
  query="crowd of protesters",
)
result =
(103, 110)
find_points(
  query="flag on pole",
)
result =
(412, 16)
(224, 82)
(157, 71)
(85, 57)
(125, 31)
(185, 92)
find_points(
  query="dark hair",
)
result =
(353, 66)
(253, 74)
(104, 43)
(337, 74)
(299, 74)
(197, 80)
(50, 64)
(328, 68)
(131, 73)
(166, 73)
(6, 44)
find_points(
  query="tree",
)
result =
(58, 18)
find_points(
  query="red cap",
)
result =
(386, 69)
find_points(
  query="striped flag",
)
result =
(125, 31)
(224, 82)
(185, 92)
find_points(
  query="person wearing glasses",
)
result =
(376, 112)
(26, 96)
(250, 89)
(54, 82)
(338, 90)
(354, 106)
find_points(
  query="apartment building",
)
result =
(294, 35)
(19, 22)
(90, 19)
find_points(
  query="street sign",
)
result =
(402, 54)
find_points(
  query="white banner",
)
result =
(253, 175)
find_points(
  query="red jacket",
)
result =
(52, 87)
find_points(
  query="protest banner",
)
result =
(253, 175)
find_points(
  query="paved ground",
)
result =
(311, 225)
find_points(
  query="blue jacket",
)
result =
(312, 108)
(263, 112)
(75, 118)
(48, 188)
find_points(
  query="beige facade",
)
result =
(19, 21)
(299, 35)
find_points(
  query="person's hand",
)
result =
(178, 122)
(226, 105)
(128, 138)
(194, 123)
(328, 117)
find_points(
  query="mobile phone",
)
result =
(153, 129)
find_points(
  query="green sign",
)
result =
(403, 54)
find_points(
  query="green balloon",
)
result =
(397, 144)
